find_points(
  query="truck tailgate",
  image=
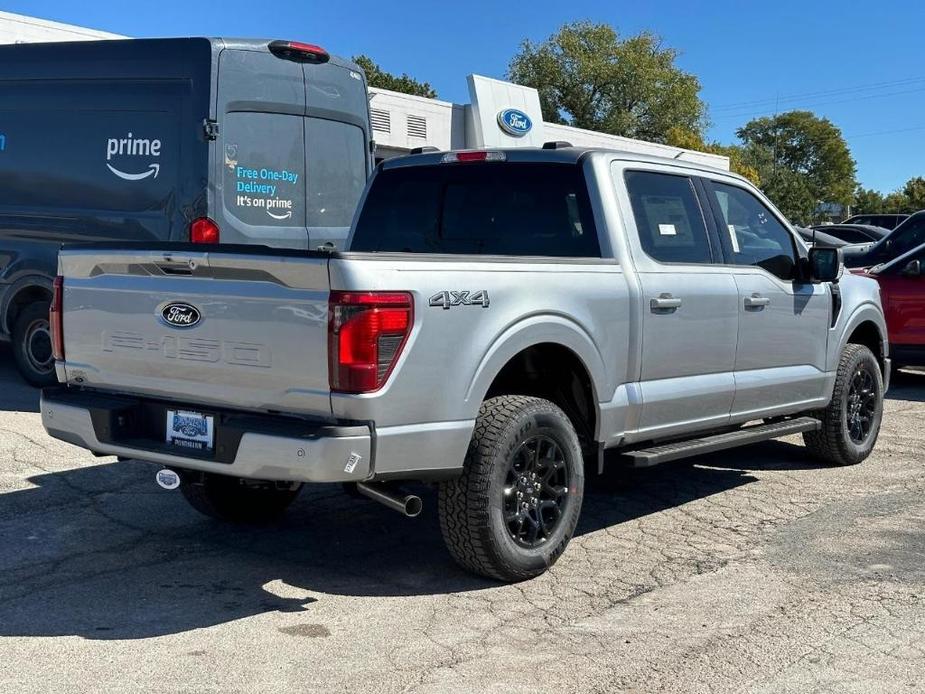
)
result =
(229, 327)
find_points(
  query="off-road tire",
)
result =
(832, 443)
(30, 335)
(233, 500)
(471, 506)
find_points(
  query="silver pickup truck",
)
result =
(500, 320)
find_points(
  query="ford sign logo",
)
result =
(514, 122)
(181, 315)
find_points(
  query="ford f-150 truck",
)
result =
(499, 321)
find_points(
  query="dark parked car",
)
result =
(853, 233)
(819, 238)
(901, 240)
(147, 140)
(887, 221)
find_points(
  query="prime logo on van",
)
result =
(181, 315)
(514, 122)
(121, 148)
(2, 142)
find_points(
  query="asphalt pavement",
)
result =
(755, 570)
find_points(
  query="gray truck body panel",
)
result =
(711, 364)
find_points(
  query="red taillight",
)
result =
(203, 230)
(55, 319)
(300, 52)
(366, 334)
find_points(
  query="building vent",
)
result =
(417, 126)
(381, 120)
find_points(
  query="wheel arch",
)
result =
(24, 292)
(867, 327)
(512, 362)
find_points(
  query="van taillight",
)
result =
(56, 320)
(366, 334)
(203, 230)
(299, 52)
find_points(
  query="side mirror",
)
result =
(824, 264)
(913, 269)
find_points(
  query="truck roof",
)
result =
(558, 155)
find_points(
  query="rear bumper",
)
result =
(254, 447)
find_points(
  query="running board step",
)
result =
(646, 457)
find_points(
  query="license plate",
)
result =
(192, 430)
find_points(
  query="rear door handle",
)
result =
(756, 301)
(664, 301)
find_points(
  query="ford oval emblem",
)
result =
(181, 315)
(514, 122)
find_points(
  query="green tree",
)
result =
(867, 201)
(377, 77)
(679, 137)
(896, 202)
(914, 192)
(590, 77)
(802, 160)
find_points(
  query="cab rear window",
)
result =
(491, 208)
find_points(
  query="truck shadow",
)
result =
(15, 394)
(101, 552)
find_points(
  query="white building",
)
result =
(17, 28)
(401, 122)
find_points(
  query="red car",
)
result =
(902, 287)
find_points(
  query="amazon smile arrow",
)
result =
(154, 169)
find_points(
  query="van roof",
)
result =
(120, 46)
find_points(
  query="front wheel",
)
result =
(851, 421)
(512, 512)
(235, 500)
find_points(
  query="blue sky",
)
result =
(858, 64)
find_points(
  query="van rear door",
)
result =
(337, 157)
(261, 182)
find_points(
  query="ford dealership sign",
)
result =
(514, 122)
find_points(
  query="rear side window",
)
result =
(485, 208)
(668, 217)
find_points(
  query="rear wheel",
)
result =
(512, 512)
(851, 422)
(235, 500)
(31, 342)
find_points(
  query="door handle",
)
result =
(756, 301)
(664, 301)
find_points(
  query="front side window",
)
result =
(756, 236)
(490, 208)
(668, 217)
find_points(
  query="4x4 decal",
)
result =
(448, 299)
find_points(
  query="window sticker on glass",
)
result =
(667, 230)
(734, 238)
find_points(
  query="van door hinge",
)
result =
(210, 127)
